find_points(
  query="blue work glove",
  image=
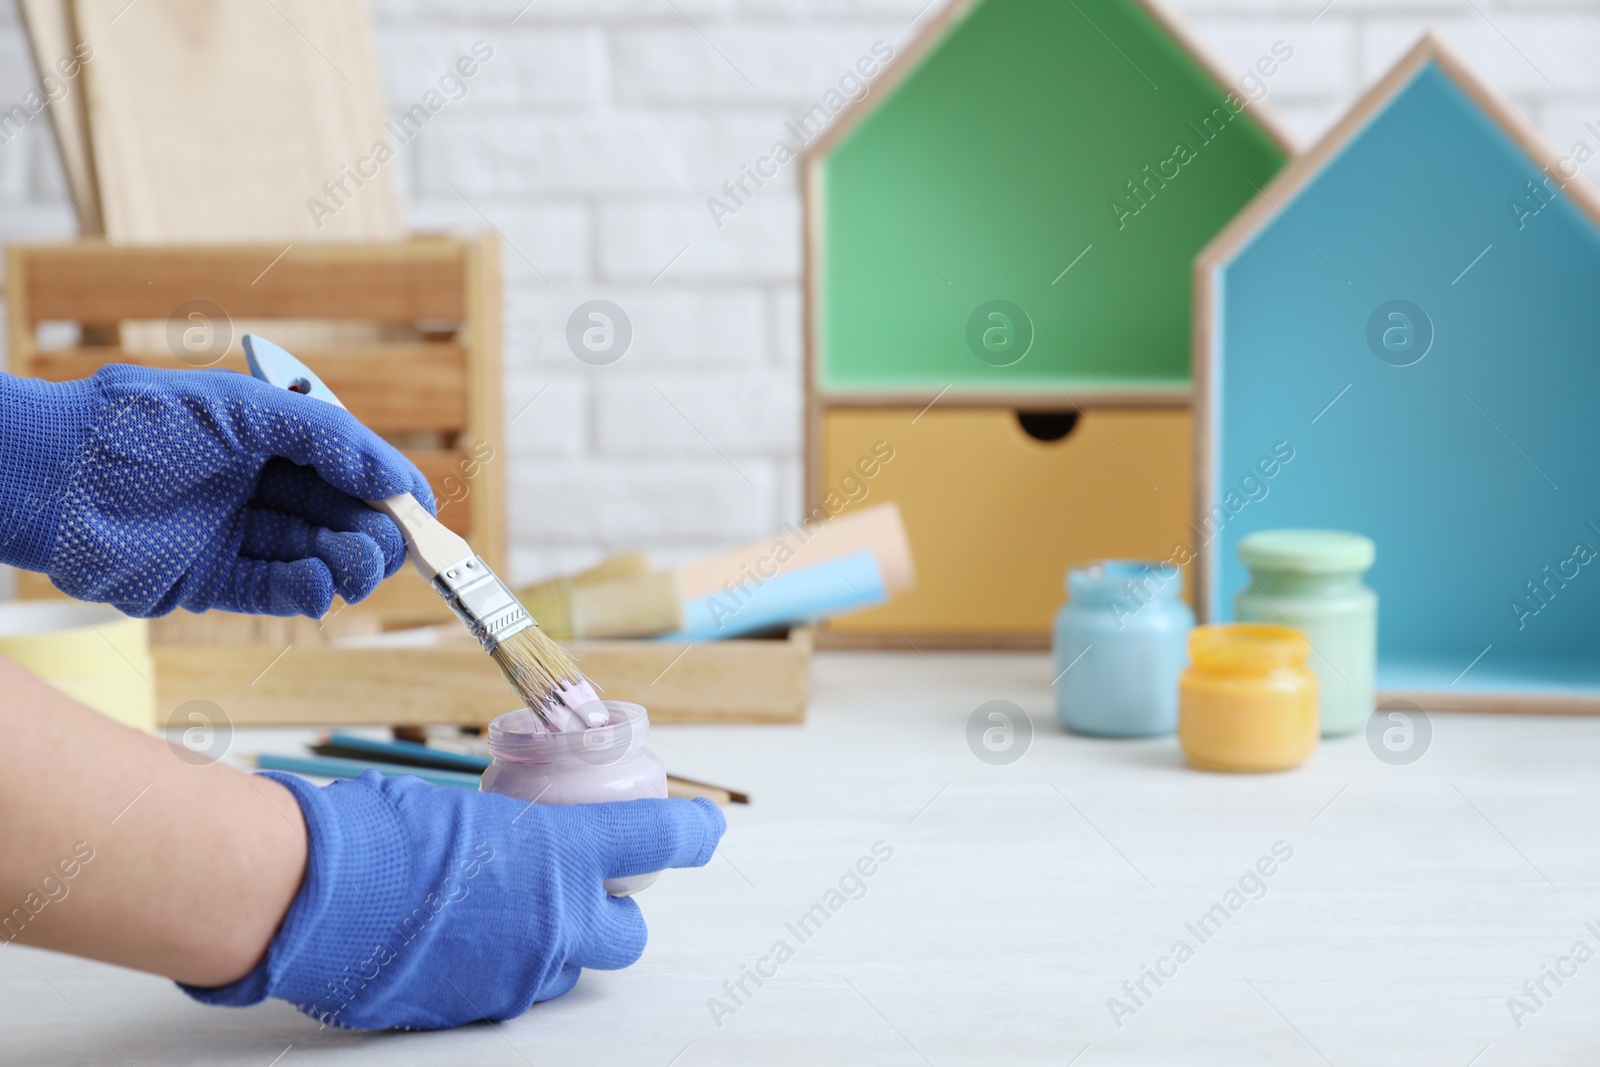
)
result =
(159, 489)
(425, 906)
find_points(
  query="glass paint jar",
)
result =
(1311, 580)
(583, 766)
(1248, 701)
(1120, 645)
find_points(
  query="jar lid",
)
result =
(1247, 646)
(1307, 551)
(1110, 577)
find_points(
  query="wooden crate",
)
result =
(742, 681)
(434, 389)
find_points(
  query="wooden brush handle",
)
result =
(433, 547)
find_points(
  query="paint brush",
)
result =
(634, 605)
(622, 597)
(541, 672)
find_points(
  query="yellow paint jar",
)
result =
(1248, 701)
(94, 654)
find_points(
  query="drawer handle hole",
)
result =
(1047, 425)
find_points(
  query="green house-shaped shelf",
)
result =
(1066, 158)
(1000, 237)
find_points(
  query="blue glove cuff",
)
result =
(43, 427)
(315, 926)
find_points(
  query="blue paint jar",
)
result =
(1121, 641)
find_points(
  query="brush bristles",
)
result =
(535, 666)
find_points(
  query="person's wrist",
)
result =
(355, 846)
(43, 427)
(257, 882)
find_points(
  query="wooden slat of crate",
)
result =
(391, 388)
(260, 685)
(91, 281)
(486, 422)
(444, 470)
(713, 681)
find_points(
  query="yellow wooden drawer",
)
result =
(996, 517)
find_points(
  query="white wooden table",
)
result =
(1017, 902)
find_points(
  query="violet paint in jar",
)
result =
(577, 766)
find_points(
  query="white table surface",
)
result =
(1018, 900)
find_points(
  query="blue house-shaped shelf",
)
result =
(1412, 309)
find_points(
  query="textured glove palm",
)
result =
(156, 489)
(425, 906)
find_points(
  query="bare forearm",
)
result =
(190, 868)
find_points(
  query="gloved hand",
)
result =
(426, 906)
(156, 489)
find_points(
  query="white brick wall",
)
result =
(592, 140)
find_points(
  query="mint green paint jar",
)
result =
(1311, 580)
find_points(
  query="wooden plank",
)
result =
(291, 685)
(285, 98)
(53, 36)
(95, 282)
(484, 436)
(390, 388)
(1508, 702)
(716, 682)
(221, 122)
(218, 628)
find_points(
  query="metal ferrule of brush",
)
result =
(482, 601)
